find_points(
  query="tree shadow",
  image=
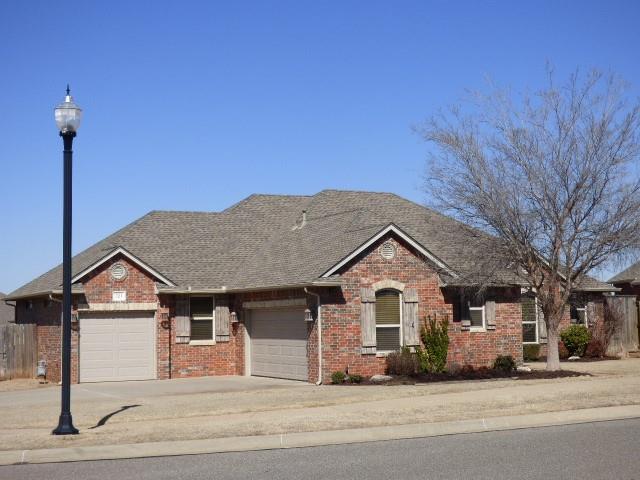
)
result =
(106, 418)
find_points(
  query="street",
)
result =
(603, 450)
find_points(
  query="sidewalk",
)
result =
(311, 439)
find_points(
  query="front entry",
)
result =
(279, 343)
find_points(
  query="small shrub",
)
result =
(402, 362)
(531, 353)
(435, 337)
(338, 377)
(355, 378)
(504, 363)
(576, 338)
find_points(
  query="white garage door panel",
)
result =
(117, 347)
(279, 344)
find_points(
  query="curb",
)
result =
(315, 439)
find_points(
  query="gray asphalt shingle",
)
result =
(253, 244)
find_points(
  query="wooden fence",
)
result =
(625, 339)
(18, 351)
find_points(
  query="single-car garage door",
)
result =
(279, 343)
(117, 347)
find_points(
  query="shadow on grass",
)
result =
(106, 418)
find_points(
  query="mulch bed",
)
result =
(476, 374)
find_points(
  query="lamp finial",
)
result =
(68, 90)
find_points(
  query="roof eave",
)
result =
(321, 282)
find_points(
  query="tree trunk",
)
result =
(553, 356)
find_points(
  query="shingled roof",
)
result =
(629, 275)
(260, 242)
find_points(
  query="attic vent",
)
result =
(387, 250)
(118, 271)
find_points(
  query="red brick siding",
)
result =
(139, 285)
(598, 299)
(178, 360)
(46, 315)
(341, 342)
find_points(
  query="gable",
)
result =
(120, 251)
(376, 241)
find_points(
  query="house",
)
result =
(284, 286)
(7, 311)
(628, 280)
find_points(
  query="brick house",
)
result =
(7, 311)
(628, 281)
(285, 286)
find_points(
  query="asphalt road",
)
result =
(604, 450)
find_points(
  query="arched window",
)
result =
(387, 320)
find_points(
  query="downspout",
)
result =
(319, 322)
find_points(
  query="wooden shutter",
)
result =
(490, 314)
(542, 327)
(591, 314)
(368, 320)
(410, 317)
(183, 322)
(222, 319)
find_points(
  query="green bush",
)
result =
(355, 378)
(576, 338)
(402, 362)
(435, 337)
(338, 377)
(531, 353)
(504, 363)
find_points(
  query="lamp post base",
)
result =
(65, 426)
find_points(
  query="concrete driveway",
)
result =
(144, 390)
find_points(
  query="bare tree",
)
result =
(553, 175)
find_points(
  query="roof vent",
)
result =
(298, 226)
(388, 250)
(118, 271)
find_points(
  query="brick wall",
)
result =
(99, 284)
(595, 297)
(46, 314)
(180, 360)
(341, 342)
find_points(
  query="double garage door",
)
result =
(117, 347)
(279, 343)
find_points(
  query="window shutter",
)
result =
(410, 317)
(221, 319)
(542, 327)
(368, 320)
(490, 314)
(183, 322)
(591, 314)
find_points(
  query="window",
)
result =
(529, 319)
(472, 310)
(578, 315)
(387, 320)
(201, 318)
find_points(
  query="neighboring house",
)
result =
(7, 312)
(628, 280)
(282, 286)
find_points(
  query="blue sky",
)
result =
(195, 105)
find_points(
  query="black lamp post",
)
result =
(68, 116)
